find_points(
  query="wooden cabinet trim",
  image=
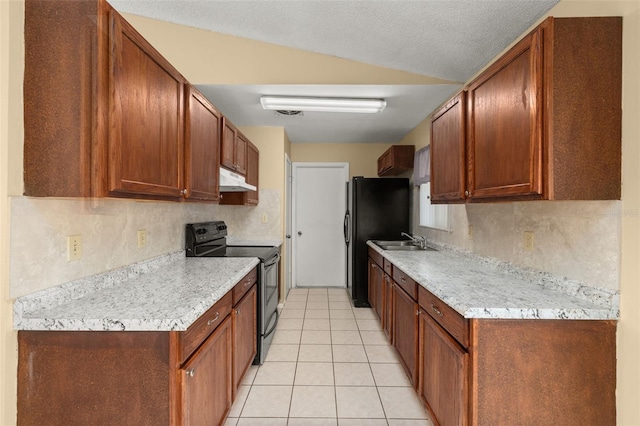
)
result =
(163, 176)
(405, 332)
(406, 282)
(449, 319)
(528, 48)
(448, 148)
(244, 285)
(201, 179)
(197, 332)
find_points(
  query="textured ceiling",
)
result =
(448, 39)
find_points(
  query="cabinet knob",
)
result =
(466, 193)
(191, 372)
(211, 321)
(238, 311)
(183, 192)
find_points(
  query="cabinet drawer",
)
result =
(450, 320)
(244, 285)
(407, 284)
(189, 340)
(377, 257)
(387, 267)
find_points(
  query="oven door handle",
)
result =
(268, 332)
(275, 260)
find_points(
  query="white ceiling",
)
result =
(447, 39)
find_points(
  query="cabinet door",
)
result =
(387, 320)
(244, 335)
(146, 117)
(405, 331)
(228, 147)
(242, 144)
(505, 125)
(206, 397)
(202, 148)
(443, 374)
(376, 277)
(253, 170)
(374, 272)
(448, 144)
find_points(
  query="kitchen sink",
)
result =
(400, 245)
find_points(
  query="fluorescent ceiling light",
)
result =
(323, 104)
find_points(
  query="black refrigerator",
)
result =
(377, 209)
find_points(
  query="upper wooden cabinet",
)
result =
(396, 160)
(106, 115)
(247, 198)
(146, 141)
(448, 145)
(543, 121)
(202, 148)
(234, 149)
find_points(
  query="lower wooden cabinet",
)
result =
(139, 377)
(443, 374)
(207, 396)
(500, 371)
(245, 329)
(405, 331)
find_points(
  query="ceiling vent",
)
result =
(289, 113)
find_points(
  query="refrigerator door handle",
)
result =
(347, 218)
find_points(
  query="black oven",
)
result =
(208, 239)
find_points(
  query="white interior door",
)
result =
(319, 205)
(288, 227)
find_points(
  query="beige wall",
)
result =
(595, 242)
(362, 157)
(11, 68)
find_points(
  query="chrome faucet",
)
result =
(419, 241)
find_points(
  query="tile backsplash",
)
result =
(578, 240)
(40, 226)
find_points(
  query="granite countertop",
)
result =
(481, 288)
(165, 294)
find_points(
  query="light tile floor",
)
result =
(329, 364)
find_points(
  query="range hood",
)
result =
(233, 182)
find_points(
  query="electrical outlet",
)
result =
(74, 247)
(528, 241)
(265, 218)
(470, 232)
(142, 238)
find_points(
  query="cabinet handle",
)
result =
(211, 321)
(247, 283)
(402, 279)
(191, 372)
(436, 310)
(238, 311)
(183, 192)
(417, 312)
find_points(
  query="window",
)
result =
(431, 215)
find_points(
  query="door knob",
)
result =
(299, 232)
